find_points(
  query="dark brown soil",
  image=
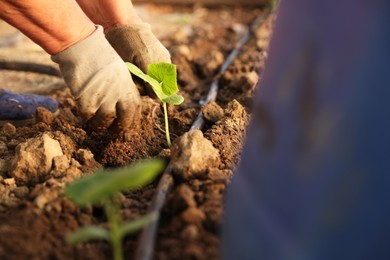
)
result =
(34, 214)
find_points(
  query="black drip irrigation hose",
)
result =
(24, 65)
(29, 67)
(147, 238)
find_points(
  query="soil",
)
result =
(37, 160)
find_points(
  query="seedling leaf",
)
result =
(174, 99)
(156, 86)
(166, 74)
(135, 225)
(166, 87)
(86, 234)
(104, 184)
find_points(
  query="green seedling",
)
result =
(163, 79)
(103, 188)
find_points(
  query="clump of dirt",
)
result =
(192, 155)
(38, 160)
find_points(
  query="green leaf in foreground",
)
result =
(137, 224)
(87, 234)
(105, 184)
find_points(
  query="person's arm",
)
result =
(53, 25)
(110, 13)
(132, 38)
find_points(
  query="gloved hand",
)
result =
(137, 44)
(100, 82)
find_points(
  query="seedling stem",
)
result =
(166, 123)
(112, 213)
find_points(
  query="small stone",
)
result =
(12, 144)
(9, 181)
(217, 174)
(46, 198)
(43, 115)
(212, 112)
(34, 158)
(235, 110)
(252, 78)
(183, 34)
(73, 172)
(183, 198)
(165, 154)
(210, 62)
(184, 51)
(8, 129)
(75, 163)
(41, 201)
(3, 148)
(21, 192)
(193, 251)
(3, 166)
(60, 163)
(192, 155)
(84, 156)
(190, 232)
(193, 216)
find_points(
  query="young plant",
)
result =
(162, 78)
(103, 188)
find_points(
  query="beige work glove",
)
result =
(137, 44)
(100, 82)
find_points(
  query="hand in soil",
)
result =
(105, 92)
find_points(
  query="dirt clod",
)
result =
(227, 134)
(190, 232)
(192, 154)
(33, 159)
(3, 148)
(43, 115)
(9, 181)
(3, 166)
(193, 216)
(165, 154)
(8, 129)
(210, 62)
(84, 156)
(212, 112)
(183, 197)
(60, 164)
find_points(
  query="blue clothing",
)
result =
(314, 179)
(15, 106)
